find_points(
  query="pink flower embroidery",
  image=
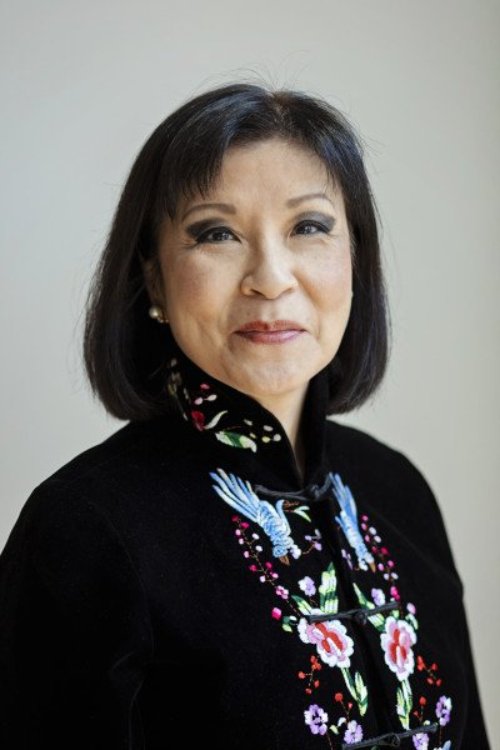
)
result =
(330, 637)
(397, 642)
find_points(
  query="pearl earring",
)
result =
(156, 313)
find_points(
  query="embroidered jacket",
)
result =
(180, 580)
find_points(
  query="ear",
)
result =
(152, 277)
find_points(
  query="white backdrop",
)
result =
(83, 85)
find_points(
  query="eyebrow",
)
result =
(230, 209)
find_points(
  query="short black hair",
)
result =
(124, 349)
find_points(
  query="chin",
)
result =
(275, 377)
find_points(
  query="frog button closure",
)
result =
(391, 739)
(312, 493)
(360, 615)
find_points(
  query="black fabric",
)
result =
(179, 582)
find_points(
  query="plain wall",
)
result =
(83, 85)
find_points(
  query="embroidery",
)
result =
(332, 646)
(348, 521)
(200, 405)
(397, 634)
(240, 495)
(330, 639)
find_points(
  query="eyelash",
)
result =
(200, 239)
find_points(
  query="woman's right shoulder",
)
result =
(129, 445)
(129, 461)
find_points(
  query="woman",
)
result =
(231, 566)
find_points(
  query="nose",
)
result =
(270, 271)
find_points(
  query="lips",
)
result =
(271, 332)
(273, 325)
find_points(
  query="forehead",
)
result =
(265, 168)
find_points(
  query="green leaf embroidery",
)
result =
(412, 620)
(357, 689)
(328, 600)
(362, 693)
(302, 512)
(376, 619)
(404, 703)
(304, 607)
(214, 420)
(236, 440)
(285, 623)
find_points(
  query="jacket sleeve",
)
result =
(75, 634)
(475, 734)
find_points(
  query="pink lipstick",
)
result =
(270, 332)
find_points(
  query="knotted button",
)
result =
(360, 615)
(311, 493)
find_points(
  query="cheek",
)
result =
(331, 280)
(190, 284)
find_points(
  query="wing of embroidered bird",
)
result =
(330, 645)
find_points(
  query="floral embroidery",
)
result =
(397, 642)
(443, 709)
(421, 741)
(316, 718)
(331, 640)
(333, 647)
(354, 732)
(200, 406)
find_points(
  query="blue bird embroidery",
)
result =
(348, 520)
(240, 495)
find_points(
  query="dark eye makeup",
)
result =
(200, 231)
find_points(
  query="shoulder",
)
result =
(107, 475)
(397, 485)
(136, 446)
(372, 456)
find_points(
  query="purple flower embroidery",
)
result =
(378, 596)
(421, 741)
(307, 586)
(354, 732)
(314, 539)
(316, 719)
(443, 710)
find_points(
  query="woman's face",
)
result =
(270, 254)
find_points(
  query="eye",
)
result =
(203, 237)
(315, 224)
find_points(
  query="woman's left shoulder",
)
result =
(396, 486)
(367, 453)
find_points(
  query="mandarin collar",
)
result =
(241, 427)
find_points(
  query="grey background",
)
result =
(83, 85)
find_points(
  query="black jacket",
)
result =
(179, 580)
